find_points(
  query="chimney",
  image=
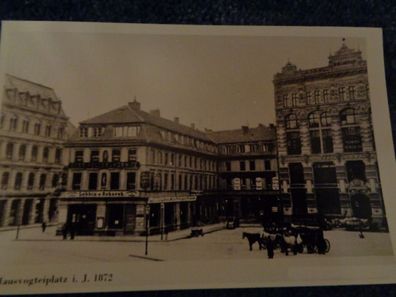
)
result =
(155, 112)
(245, 129)
(176, 120)
(134, 104)
(193, 125)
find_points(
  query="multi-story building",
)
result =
(128, 163)
(327, 156)
(33, 129)
(247, 170)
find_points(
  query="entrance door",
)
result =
(83, 217)
(299, 201)
(27, 208)
(361, 206)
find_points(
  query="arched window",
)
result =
(45, 154)
(291, 121)
(31, 181)
(351, 136)
(22, 152)
(9, 151)
(43, 179)
(4, 180)
(18, 181)
(321, 138)
(34, 152)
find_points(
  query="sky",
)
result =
(216, 82)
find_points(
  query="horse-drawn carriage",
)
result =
(293, 238)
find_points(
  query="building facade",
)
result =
(128, 165)
(247, 172)
(33, 129)
(327, 156)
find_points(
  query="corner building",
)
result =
(33, 130)
(128, 165)
(327, 156)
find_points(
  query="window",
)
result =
(166, 181)
(58, 156)
(93, 181)
(352, 139)
(293, 143)
(25, 126)
(79, 157)
(94, 156)
(132, 155)
(114, 180)
(347, 117)
(355, 170)
(341, 93)
(325, 96)
(48, 130)
(98, 131)
(13, 123)
(45, 154)
(228, 166)
(105, 156)
(37, 129)
(76, 182)
(309, 98)
(166, 158)
(61, 132)
(4, 180)
(294, 99)
(320, 138)
(296, 173)
(43, 179)
(317, 96)
(55, 180)
(313, 120)
(131, 181)
(103, 180)
(172, 185)
(30, 181)
(327, 141)
(351, 92)
(315, 142)
(242, 166)
(267, 164)
(18, 181)
(287, 101)
(291, 121)
(22, 152)
(325, 119)
(115, 155)
(83, 132)
(34, 153)
(252, 165)
(9, 151)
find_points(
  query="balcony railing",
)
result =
(102, 165)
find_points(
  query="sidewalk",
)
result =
(34, 233)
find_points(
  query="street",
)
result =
(35, 247)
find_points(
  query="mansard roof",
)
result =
(245, 134)
(132, 114)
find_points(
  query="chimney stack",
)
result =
(134, 104)
(176, 120)
(245, 129)
(155, 112)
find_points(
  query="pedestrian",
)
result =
(43, 226)
(361, 235)
(64, 231)
(72, 231)
(270, 248)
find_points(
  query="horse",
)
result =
(253, 238)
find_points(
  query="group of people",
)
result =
(68, 229)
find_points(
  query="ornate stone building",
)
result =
(33, 129)
(327, 154)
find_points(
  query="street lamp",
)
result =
(147, 214)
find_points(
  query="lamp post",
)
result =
(147, 215)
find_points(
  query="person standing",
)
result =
(270, 248)
(43, 226)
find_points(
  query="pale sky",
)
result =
(216, 82)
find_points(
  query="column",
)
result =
(32, 212)
(337, 138)
(123, 180)
(62, 213)
(305, 141)
(100, 216)
(46, 205)
(6, 213)
(176, 212)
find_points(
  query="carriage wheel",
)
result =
(327, 245)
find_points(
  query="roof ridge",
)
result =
(29, 81)
(135, 112)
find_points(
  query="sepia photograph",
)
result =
(142, 146)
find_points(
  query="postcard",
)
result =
(151, 157)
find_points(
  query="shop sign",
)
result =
(97, 194)
(171, 199)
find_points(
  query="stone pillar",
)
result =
(101, 216)
(32, 212)
(19, 213)
(84, 180)
(46, 205)
(342, 186)
(285, 186)
(62, 212)
(372, 185)
(337, 138)
(305, 139)
(123, 180)
(309, 187)
(176, 212)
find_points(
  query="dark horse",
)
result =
(252, 238)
